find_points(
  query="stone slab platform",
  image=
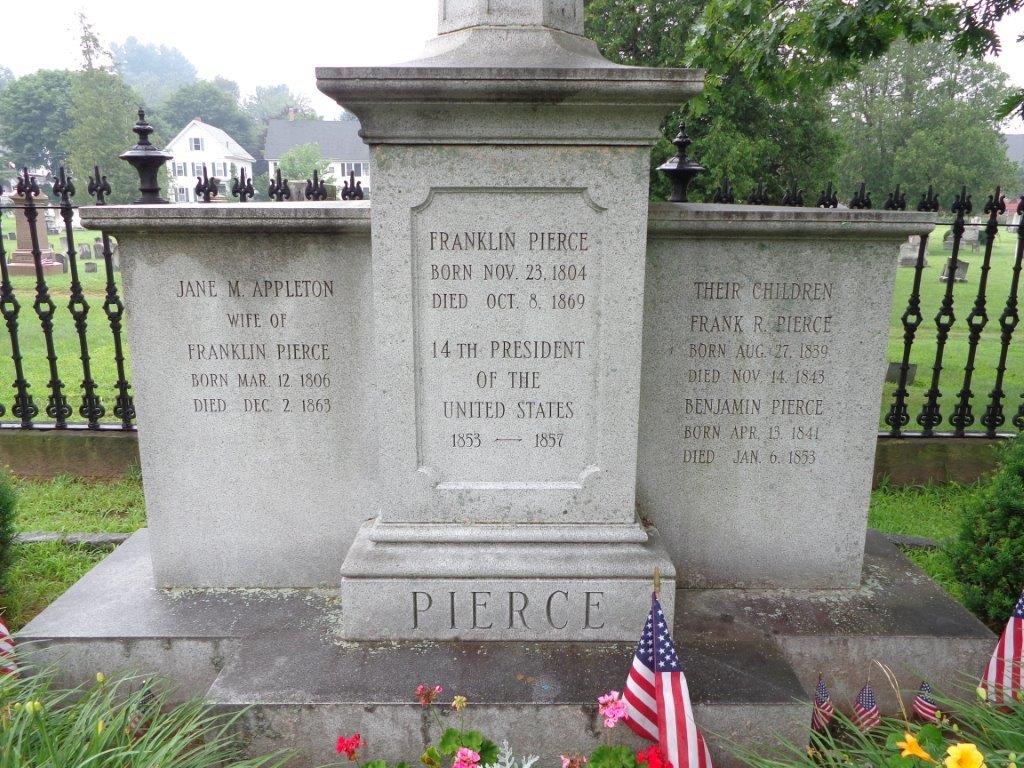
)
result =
(750, 658)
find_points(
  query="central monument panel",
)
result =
(507, 342)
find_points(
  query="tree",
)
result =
(212, 105)
(299, 162)
(737, 129)
(102, 112)
(920, 115)
(34, 117)
(274, 101)
(6, 76)
(153, 71)
(781, 42)
(230, 87)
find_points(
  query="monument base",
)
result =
(482, 582)
(751, 657)
(29, 268)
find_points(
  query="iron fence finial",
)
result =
(98, 187)
(862, 198)
(828, 198)
(242, 188)
(207, 187)
(279, 189)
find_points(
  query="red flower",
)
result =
(427, 695)
(347, 745)
(652, 757)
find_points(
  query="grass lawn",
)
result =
(955, 355)
(932, 511)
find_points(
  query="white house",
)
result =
(200, 143)
(339, 142)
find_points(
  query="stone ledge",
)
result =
(755, 222)
(285, 218)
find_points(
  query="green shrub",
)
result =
(987, 556)
(127, 723)
(8, 502)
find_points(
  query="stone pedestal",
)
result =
(765, 334)
(510, 205)
(21, 260)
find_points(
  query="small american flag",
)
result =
(865, 709)
(823, 711)
(924, 707)
(1003, 676)
(658, 700)
(7, 664)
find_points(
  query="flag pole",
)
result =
(657, 580)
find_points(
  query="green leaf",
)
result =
(488, 752)
(431, 758)
(612, 757)
(450, 742)
(375, 764)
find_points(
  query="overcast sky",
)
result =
(265, 43)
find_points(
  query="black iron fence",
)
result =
(36, 265)
(108, 404)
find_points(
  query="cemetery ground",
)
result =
(42, 571)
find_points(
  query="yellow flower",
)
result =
(964, 756)
(459, 703)
(101, 678)
(982, 693)
(100, 726)
(34, 707)
(912, 748)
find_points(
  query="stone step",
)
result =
(306, 688)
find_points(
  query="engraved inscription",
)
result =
(255, 365)
(758, 357)
(506, 341)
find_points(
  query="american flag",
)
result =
(865, 709)
(657, 699)
(7, 665)
(823, 711)
(1003, 676)
(924, 707)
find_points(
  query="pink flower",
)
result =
(573, 761)
(611, 708)
(427, 695)
(466, 758)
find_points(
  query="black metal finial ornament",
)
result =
(242, 188)
(828, 198)
(279, 189)
(27, 186)
(316, 188)
(962, 204)
(794, 197)
(862, 199)
(353, 190)
(98, 187)
(724, 193)
(759, 196)
(207, 187)
(63, 187)
(680, 169)
(147, 161)
(929, 201)
(895, 200)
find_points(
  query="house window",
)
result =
(356, 168)
(220, 170)
(182, 194)
(178, 169)
(195, 144)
